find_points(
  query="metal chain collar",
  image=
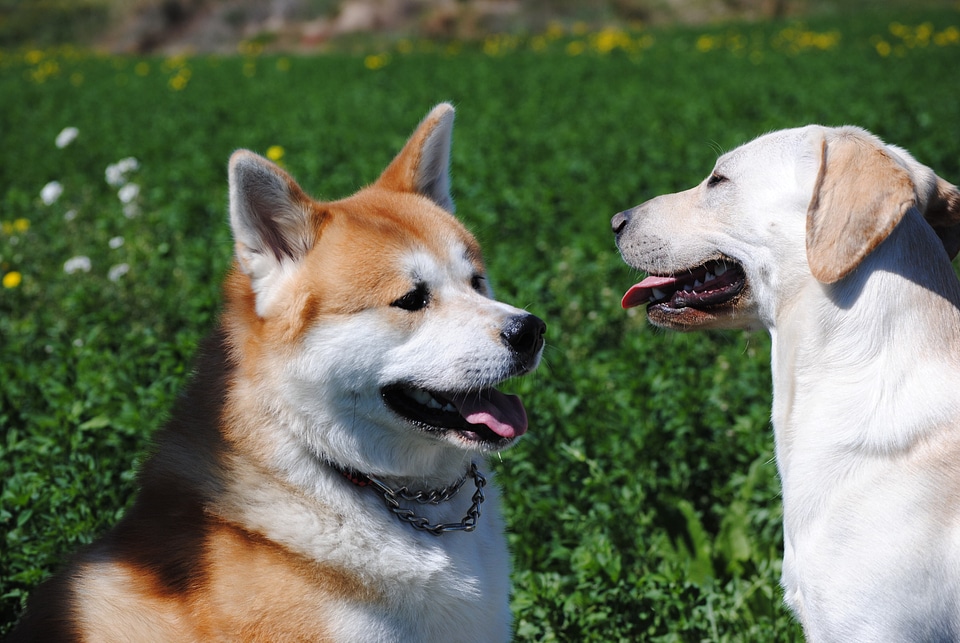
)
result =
(393, 497)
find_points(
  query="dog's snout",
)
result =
(619, 221)
(524, 335)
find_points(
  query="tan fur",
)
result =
(245, 578)
(860, 196)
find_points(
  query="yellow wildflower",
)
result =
(705, 43)
(12, 279)
(275, 153)
(376, 61)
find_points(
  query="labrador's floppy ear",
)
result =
(423, 165)
(860, 195)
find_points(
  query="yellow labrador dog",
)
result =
(840, 246)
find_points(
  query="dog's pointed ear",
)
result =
(860, 195)
(269, 214)
(943, 215)
(423, 165)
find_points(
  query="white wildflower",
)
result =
(118, 271)
(66, 136)
(51, 192)
(116, 173)
(115, 243)
(69, 215)
(129, 192)
(75, 264)
(114, 176)
(128, 164)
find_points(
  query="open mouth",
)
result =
(709, 286)
(484, 416)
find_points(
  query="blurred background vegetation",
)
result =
(644, 503)
(199, 26)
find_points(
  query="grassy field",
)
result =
(644, 503)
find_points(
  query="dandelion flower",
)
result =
(12, 279)
(275, 153)
(376, 61)
(77, 264)
(51, 192)
(118, 271)
(115, 242)
(128, 192)
(66, 136)
(21, 225)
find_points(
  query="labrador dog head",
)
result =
(788, 207)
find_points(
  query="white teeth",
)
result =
(721, 268)
(422, 396)
(659, 294)
(696, 283)
(709, 277)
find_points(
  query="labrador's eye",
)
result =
(416, 299)
(479, 283)
(716, 179)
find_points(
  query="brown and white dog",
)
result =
(319, 477)
(840, 246)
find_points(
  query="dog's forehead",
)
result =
(771, 151)
(454, 260)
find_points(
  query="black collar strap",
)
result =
(393, 497)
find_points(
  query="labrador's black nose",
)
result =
(524, 335)
(619, 221)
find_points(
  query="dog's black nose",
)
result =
(619, 220)
(524, 334)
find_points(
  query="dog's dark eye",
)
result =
(478, 283)
(416, 299)
(715, 179)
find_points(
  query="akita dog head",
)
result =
(364, 329)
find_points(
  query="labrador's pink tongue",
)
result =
(503, 414)
(639, 294)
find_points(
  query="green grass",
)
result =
(644, 503)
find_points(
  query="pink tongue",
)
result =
(639, 294)
(503, 414)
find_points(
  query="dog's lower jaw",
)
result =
(732, 314)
